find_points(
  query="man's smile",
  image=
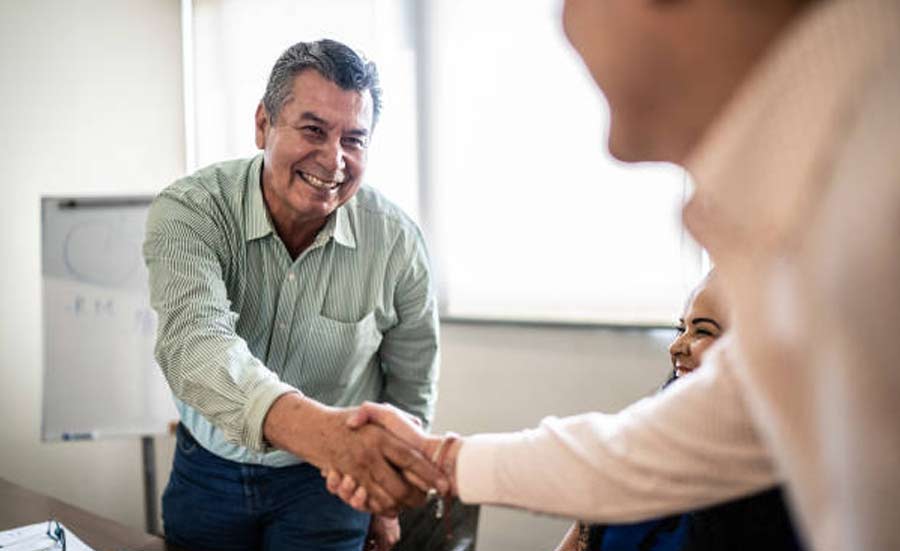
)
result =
(319, 183)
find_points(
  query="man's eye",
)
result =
(680, 329)
(357, 143)
(313, 131)
(705, 332)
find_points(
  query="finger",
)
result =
(358, 418)
(392, 409)
(416, 481)
(333, 482)
(368, 412)
(359, 498)
(398, 422)
(375, 507)
(347, 488)
(380, 500)
(394, 484)
(383, 482)
(391, 532)
(366, 462)
(391, 541)
(409, 460)
(377, 500)
(409, 416)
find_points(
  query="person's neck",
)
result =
(297, 236)
(296, 232)
(735, 44)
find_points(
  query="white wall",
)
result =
(90, 103)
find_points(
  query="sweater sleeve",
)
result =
(689, 446)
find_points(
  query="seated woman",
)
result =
(755, 522)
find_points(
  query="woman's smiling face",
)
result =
(704, 321)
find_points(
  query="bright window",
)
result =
(527, 215)
(534, 220)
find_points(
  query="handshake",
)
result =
(375, 457)
(401, 466)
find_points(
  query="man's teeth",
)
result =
(321, 184)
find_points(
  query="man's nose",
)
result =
(332, 157)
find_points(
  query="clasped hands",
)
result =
(430, 473)
(375, 456)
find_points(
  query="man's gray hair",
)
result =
(335, 61)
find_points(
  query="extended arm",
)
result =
(208, 366)
(690, 446)
(687, 447)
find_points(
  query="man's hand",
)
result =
(384, 533)
(370, 454)
(401, 425)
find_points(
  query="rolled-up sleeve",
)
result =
(207, 365)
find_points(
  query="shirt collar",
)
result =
(255, 213)
(259, 223)
(344, 233)
(339, 227)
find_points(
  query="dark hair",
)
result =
(335, 61)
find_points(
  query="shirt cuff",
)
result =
(258, 405)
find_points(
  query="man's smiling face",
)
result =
(315, 152)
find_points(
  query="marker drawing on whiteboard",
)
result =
(68, 436)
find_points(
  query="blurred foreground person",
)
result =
(787, 115)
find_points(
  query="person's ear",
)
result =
(262, 125)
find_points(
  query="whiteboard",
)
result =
(100, 377)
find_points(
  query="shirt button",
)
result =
(291, 276)
(282, 325)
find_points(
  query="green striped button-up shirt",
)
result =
(353, 318)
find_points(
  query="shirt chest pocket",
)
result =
(335, 353)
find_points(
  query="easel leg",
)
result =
(148, 455)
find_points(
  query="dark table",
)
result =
(20, 506)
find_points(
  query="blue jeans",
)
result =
(212, 503)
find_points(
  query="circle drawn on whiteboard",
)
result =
(100, 253)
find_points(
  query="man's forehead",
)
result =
(314, 96)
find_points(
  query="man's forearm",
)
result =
(300, 425)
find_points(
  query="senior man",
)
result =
(787, 114)
(286, 292)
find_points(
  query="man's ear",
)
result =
(262, 125)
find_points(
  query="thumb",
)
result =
(358, 418)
